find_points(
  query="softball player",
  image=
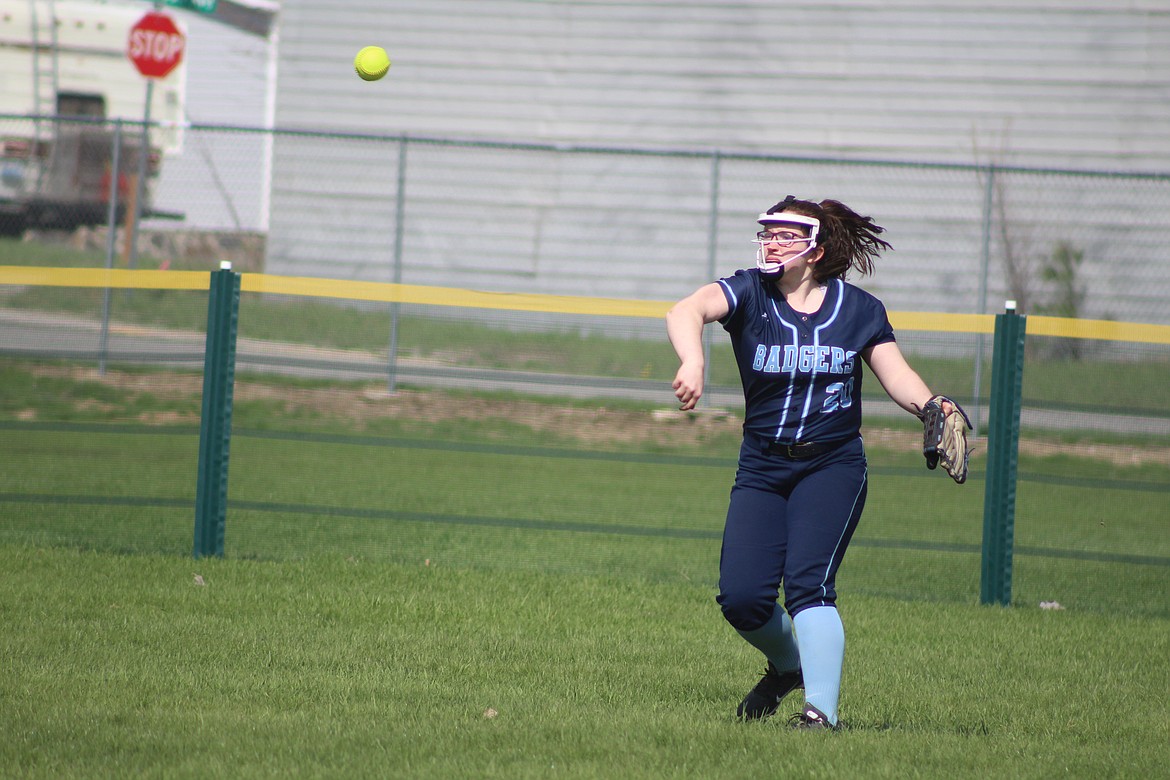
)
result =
(800, 333)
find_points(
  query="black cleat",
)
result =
(811, 718)
(765, 698)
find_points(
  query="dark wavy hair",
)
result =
(849, 240)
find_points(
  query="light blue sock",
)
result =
(775, 640)
(821, 638)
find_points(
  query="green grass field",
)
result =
(404, 601)
(329, 666)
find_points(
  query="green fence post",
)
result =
(215, 428)
(1003, 437)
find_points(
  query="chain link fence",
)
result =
(624, 223)
(369, 425)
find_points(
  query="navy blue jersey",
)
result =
(801, 373)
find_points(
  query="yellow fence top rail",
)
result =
(121, 278)
(447, 296)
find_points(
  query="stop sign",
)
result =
(156, 45)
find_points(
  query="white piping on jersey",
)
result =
(816, 343)
(845, 530)
(730, 294)
(791, 374)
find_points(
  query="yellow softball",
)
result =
(371, 63)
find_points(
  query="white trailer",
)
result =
(65, 81)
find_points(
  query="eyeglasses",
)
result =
(781, 237)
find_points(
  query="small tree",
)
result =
(1061, 272)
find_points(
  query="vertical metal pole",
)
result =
(140, 183)
(215, 427)
(111, 239)
(396, 277)
(985, 270)
(1003, 437)
(712, 254)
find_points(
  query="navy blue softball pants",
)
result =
(788, 525)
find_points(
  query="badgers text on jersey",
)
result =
(806, 359)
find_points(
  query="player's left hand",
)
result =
(944, 437)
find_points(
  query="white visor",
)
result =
(813, 223)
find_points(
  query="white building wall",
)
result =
(1059, 83)
(1043, 83)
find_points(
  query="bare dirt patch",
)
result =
(595, 426)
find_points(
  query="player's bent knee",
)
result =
(746, 611)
